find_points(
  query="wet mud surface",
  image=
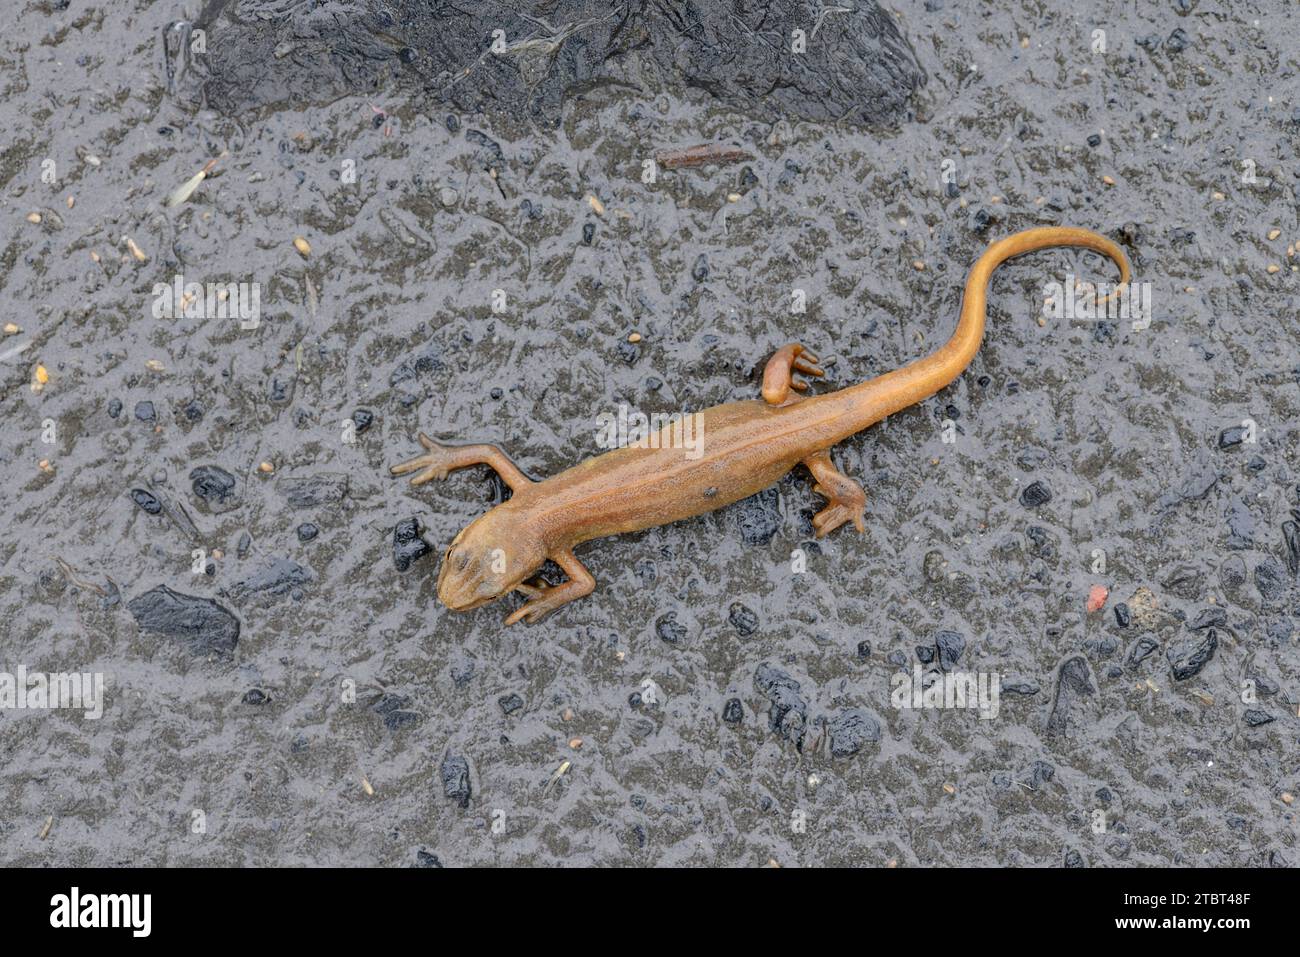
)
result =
(721, 700)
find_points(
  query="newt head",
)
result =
(490, 558)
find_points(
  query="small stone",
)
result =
(455, 779)
(448, 197)
(851, 731)
(510, 703)
(733, 711)
(1188, 657)
(408, 546)
(743, 619)
(1035, 494)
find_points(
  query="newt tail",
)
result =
(743, 447)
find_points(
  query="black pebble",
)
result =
(700, 271)
(408, 546)
(194, 410)
(1123, 616)
(363, 419)
(1255, 717)
(743, 619)
(864, 650)
(213, 484)
(588, 233)
(146, 500)
(733, 711)
(455, 779)
(1232, 437)
(307, 531)
(1188, 658)
(950, 645)
(669, 629)
(256, 696)
(1035, 494)
(1209, 618)
(510, 703)
(114, 408)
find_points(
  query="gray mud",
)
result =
(773, 703)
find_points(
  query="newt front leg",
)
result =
(544, 599)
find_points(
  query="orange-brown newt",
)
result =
(746, 446)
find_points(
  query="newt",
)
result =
(746, 447)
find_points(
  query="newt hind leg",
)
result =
(441, 459)
(778, 375)
(846, 501)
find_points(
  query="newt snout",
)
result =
(747, 447)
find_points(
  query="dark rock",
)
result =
(864, 650)
(455, 779)
(851, 731)
(424, 858)
(395, 711)
(1073, 683)
(1291, 535)
(408, 546)
(193, 410)
(1271, 581)
(1020, 687)
(925, 654)
(700, 271)
(788, 712)
(1073, 859)
(1232, 437)
(510, 703)
(1187, 658)
(1142, 649)
(1035, 494)
(244, 546)
(733, 711)
(950, 645)
(200, 624)
(669, 629)
(307, 531)
(281, 576)
(743, 619)
(363, 419)
(311, 491)
(114, 408)
(759, 517)
(1123, 617)
(1208, 618)
(1186, 581)
(1040, 773)
(147, 501)
(144, 411)
(1255, 717)
(216, 487)
(256, 696)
